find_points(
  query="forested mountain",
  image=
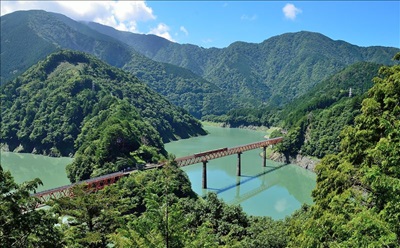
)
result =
(357, 193)
(356, 200)
(203, 81)
(273, 72)
(71, 101)
(28, 36)
(316, 119)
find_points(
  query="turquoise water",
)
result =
(25, 167)
(276, 190)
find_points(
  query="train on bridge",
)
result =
(98, 183)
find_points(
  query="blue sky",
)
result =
(220, 23)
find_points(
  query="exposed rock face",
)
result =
(19, 148)
(302, 161)
(4, 147)
(306, 162)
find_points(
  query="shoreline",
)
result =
(304, 162)
(269, 130)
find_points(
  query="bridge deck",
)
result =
(99, 182)
(222, 152)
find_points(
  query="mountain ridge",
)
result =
(54, 32)
(45, 108)
(202, 80)
(294, 61)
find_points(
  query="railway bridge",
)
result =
(98, 183)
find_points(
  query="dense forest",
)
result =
(203, 81)
(72, 103)
(356, 200)
(111, 100)
(50, 32)
(314, 120)
(270, 73)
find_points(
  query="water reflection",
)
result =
(276, 190)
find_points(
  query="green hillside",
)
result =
(316, 119)
(62, 104)
(180, 86)
(29, 36)
(270, 73)
(355, 202)
(203, 81)
(49, 32)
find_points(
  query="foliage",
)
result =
(356, 198)
(46, 108)
(183, 220)
(88, 218)
(291, 143)
(48, 32)
(274, 72)
(181, 86)
(20, 224)
(316, 119)
(202, 81)
(114, 140)
(157, 208)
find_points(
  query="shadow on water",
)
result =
(248, 179)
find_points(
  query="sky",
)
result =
(220, 23)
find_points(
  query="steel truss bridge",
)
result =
(99, 183)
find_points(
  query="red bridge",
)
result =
(98, 183)
(218, 153)
(94, 184)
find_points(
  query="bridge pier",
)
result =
(264, 156)
(204, 181)
(237, 186)
(239, 166)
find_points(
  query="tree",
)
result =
(92, 216)
(20, 224)
(158, 219)
(357, 199)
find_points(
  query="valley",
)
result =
(80, 99)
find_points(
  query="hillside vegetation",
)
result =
(356, 200)
(315, 119)
(49, 32)
(72, 102)
(314, 122)
(203, 81)
(272, 73)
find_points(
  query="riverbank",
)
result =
(286, 187)
(305, 162)
(268, 130)
(308, 163)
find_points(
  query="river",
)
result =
(276, 190)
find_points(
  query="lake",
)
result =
(276, 190)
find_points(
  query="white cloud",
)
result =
(248, 18)
(290, 11)
(122, 15)
(162, 30)
(184, 30)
